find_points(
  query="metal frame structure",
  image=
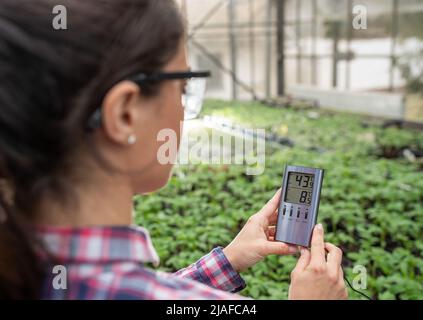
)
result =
(270, 28)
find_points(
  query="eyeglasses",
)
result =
(192, 98)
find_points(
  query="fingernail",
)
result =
(303, 250)
(292, 249)
(319, 227)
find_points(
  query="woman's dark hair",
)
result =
(51, 81)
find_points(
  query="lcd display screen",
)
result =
(299, 188)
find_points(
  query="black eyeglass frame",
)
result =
(94, 121)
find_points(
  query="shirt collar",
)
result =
(99, 244)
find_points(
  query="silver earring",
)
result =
(132, 139)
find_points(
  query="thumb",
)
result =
(279, 248)
(270, 207)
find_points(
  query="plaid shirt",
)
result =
(108, 263)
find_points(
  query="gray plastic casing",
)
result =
(296, 221)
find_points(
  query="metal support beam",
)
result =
(252, 46)
(298, 41)
(268, 56)
(210, 14)
(335, 26)
(232, 47)
(313, 59)
(281, 46)
(349, 37)
(394, 35)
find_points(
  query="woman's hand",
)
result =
(317, 276)
(256, 239)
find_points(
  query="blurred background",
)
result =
(336, 84)
(270, 48)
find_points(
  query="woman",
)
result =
(81, 109)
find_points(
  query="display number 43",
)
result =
(305, 182)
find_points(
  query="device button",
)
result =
(306, 215)
(284, 210)
(290, 212)
(298, 212)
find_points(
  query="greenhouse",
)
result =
(246, 150)
(371, 149)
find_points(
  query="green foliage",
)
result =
(371, 207)
(400, 139)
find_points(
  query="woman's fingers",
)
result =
(334, 256)
(271, 205)
(341, 274)
(271, 231)
(318, 247)
(334, 259)
(273, 217)
(303, 261)
(280, 248)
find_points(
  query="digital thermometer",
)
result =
(299, 205)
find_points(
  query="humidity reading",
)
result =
(299, 188)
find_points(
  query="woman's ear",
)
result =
(120, 111)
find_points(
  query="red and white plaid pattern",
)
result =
(108, 263)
